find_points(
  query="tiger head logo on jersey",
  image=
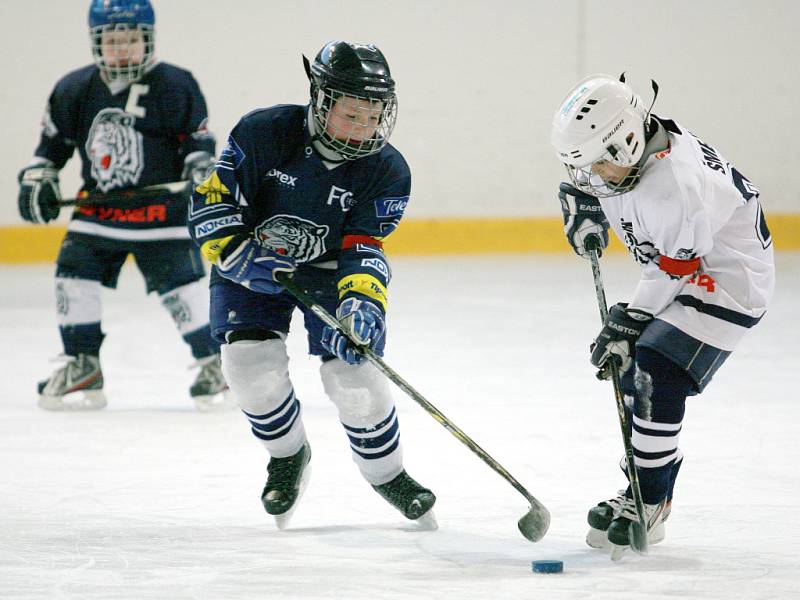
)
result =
(301, 239)
(115, 150)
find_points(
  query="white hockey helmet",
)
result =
(601, 118)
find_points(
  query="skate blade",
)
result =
(597, 538)
(656, 534)
(617, 551)
(82, 400)
(282, 520)
(427, 522)
(222, 402)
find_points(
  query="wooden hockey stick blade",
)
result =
(536, 522)
(114, 196)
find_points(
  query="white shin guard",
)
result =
(258, 375)
(188, 306)
(367, 412)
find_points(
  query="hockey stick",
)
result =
(116, 196)
(534, 524)
(637, 531)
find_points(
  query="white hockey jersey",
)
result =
(695, 225)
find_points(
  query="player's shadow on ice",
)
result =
(658, 560)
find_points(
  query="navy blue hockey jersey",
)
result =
(135, 138)
(270, 183)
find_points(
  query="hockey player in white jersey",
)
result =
(694, 224)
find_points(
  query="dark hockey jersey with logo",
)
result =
(270, 183)
(134, 138)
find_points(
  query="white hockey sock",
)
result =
(368, 415)
(78, 301)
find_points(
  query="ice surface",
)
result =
(149, 499)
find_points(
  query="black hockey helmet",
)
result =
(358, 71)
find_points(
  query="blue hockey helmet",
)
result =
(122, 33)
(360, 74)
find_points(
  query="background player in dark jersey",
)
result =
(135, 122)
(311, 189)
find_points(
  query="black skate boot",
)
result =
(601, 517)
(407, 496)
(78, 385)
(286, 482)
(618, 530)
(210, 391)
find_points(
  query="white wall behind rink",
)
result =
(478, 82)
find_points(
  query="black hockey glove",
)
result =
(617, 339)
(583, 220)
(39, 195)
(197, 167)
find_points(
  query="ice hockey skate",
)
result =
(618, 530)
(600, 517)
(78, 385)
(610, 521)
(286, 481)
(411, 499)
(210, 391)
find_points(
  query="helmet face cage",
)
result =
(115, 49)
(368, 121)
(617, 154)
(594, 185)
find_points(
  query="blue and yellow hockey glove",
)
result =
(365, 323)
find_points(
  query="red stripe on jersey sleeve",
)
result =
(681, 268)
(351, 240)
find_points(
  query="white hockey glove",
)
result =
(39, 195)
(583, 221)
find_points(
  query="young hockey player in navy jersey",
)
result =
(694, 224)
(311, 190)
(135, 122)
